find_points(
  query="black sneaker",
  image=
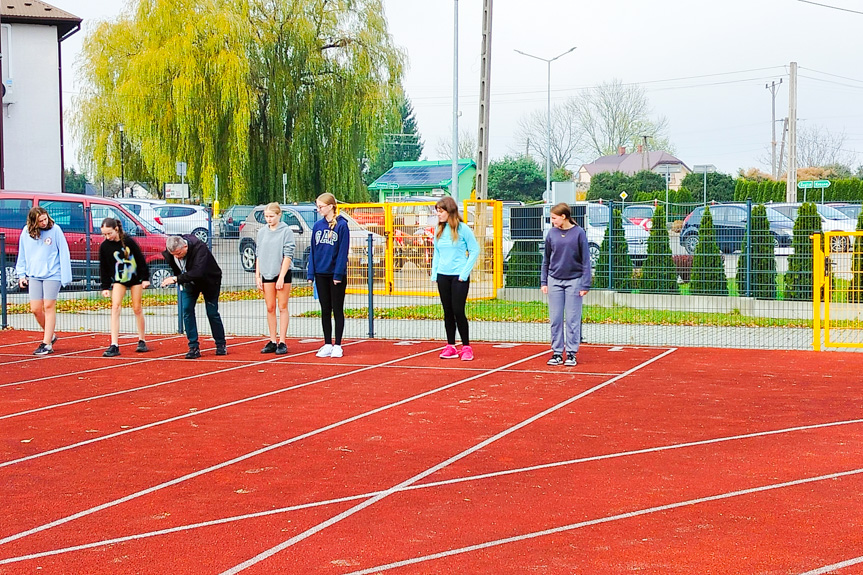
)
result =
(556, 359)
(43, 349)
(282, 349)
(112, 351)
(142, 347)
(193, 353)
(221, 349)
(270, 347)
(570, 359)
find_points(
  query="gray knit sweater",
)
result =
(273, 246)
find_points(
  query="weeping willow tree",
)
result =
(244, 90)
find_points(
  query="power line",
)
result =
(828, 6)
(833, 75)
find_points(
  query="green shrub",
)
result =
(659, 275)
(760, 282)
(708, 271)
(798, 280)
(524, 264)
(855, 289)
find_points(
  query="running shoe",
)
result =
(325, 351)
(270, 347)
(337, 351)
(43, 349)
(466, 353)
(282, 349)
(570, 359)
(142, 347)
(556, 359)
(112, 351)
(449, 352)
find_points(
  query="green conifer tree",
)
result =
(614, 267)
(762, 279)
(708, 270)
(798, 280)
(659, 274)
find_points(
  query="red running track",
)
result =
(390, 460)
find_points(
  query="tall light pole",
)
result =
(548, 62)
(122, 166)
(453, 187)
(704, 169)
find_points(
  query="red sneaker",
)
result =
(466, 353)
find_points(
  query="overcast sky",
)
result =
(703, 65)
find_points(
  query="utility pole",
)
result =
(782, 148)
(484, 104)
(645, 165)
(453, 187)
(791, 180)
(773, 86)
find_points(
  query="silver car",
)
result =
(146, 211)
(302, 229)
(185, 219)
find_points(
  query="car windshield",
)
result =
(775, 217)
(830, 213)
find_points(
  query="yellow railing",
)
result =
(837, 290)
(403, 246)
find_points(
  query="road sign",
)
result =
(623, 195)
(822, 183)
(805, 184)
(181, 169)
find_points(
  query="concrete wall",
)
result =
(31, 123)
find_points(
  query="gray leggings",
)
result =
(564, 311)
(43, 289)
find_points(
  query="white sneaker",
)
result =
(337, 351)
(325, 351)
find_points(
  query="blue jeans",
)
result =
(188, 298)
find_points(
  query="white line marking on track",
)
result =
(162, 422)
(355, 509)
(601, 520)
(415, 487)
(238, 459)
(38, 339)
(835, 567)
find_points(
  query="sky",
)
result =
(703, 66)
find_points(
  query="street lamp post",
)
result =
(704, 169)
(548, 61)
(122, 166)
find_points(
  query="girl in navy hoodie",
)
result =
(328, 269)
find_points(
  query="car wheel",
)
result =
(839, 244)
(158, 273)
(690, 242)
(11, 278)
(201, 234)
(248, 256)
(593, 249)
(776, 244)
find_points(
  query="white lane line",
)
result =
(112, 366)
(835, 567)
(143, 387)
(243, 457)
(172, 419)
(609, 519)
(38, 340)
(415, 487)
(56, 356)
(401, 486)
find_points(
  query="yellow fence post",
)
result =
(817, 284)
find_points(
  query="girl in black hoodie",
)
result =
(122, 266)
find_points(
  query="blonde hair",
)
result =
(453, 218)
(328, 198)
(273, 207)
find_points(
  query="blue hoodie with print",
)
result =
(329, 251)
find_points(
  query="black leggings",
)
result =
(453, 296)
(332, 297)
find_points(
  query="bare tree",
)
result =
(817, 147)
(566, 138)
(466, 146)
(614, 115)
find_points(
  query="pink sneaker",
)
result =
(466, 353)
(449, 352)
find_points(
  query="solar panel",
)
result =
(417, 175)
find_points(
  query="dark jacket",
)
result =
(202, 270)
(126, 266)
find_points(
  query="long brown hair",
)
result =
(562, 209)
(33, 221)
(453, 218)
(328, 198)
(115, 224)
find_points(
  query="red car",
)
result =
(80, 217)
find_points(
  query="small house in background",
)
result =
(423, 178)
(662, 163)
(31, 32)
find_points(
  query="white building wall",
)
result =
(31, 123)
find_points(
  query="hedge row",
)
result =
(850, 190)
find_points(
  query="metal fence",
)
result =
(645, 285)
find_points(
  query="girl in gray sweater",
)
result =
(275, 250)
